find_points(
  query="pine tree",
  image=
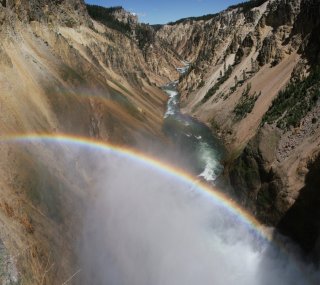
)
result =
(253, 65)
(244, 75)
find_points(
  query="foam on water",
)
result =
(212, 168)
(172, 105)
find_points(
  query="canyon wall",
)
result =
(254, 80)
(64, 73)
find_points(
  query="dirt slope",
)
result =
(63, 73)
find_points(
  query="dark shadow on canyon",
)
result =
(302, 221)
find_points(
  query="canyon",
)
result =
(85, 71)
(246, 63)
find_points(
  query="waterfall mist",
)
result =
(147, 226)
(141, 224)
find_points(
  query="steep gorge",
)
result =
(254, 80)
(64, 73)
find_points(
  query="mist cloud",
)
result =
(141, 225)
(146, 227)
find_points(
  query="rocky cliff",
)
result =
(66, 12)
(254, 79)
(64, 73)
(124, 16)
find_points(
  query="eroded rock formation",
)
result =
(241, 59)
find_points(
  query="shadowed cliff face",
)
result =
(308, 23)
(302, 220)
(258, 185)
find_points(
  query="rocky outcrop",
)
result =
(67, 12)
(307, 24)
(125, 17)
(269, 51)
(301, 221)
(294, 165)
(255, 53)
(159, 62)
(258, 184)
(282, 13)
(291, 204)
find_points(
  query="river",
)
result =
(194, 139)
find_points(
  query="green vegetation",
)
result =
(144, 35)
(294, 102)
(105, 16)
(246, 103)
(201, 84)
(216, 87)
(156, 27)
(246, 174)
(200, 18)
(248, 5)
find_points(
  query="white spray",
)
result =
(147, 227)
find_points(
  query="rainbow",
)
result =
(218, 197)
